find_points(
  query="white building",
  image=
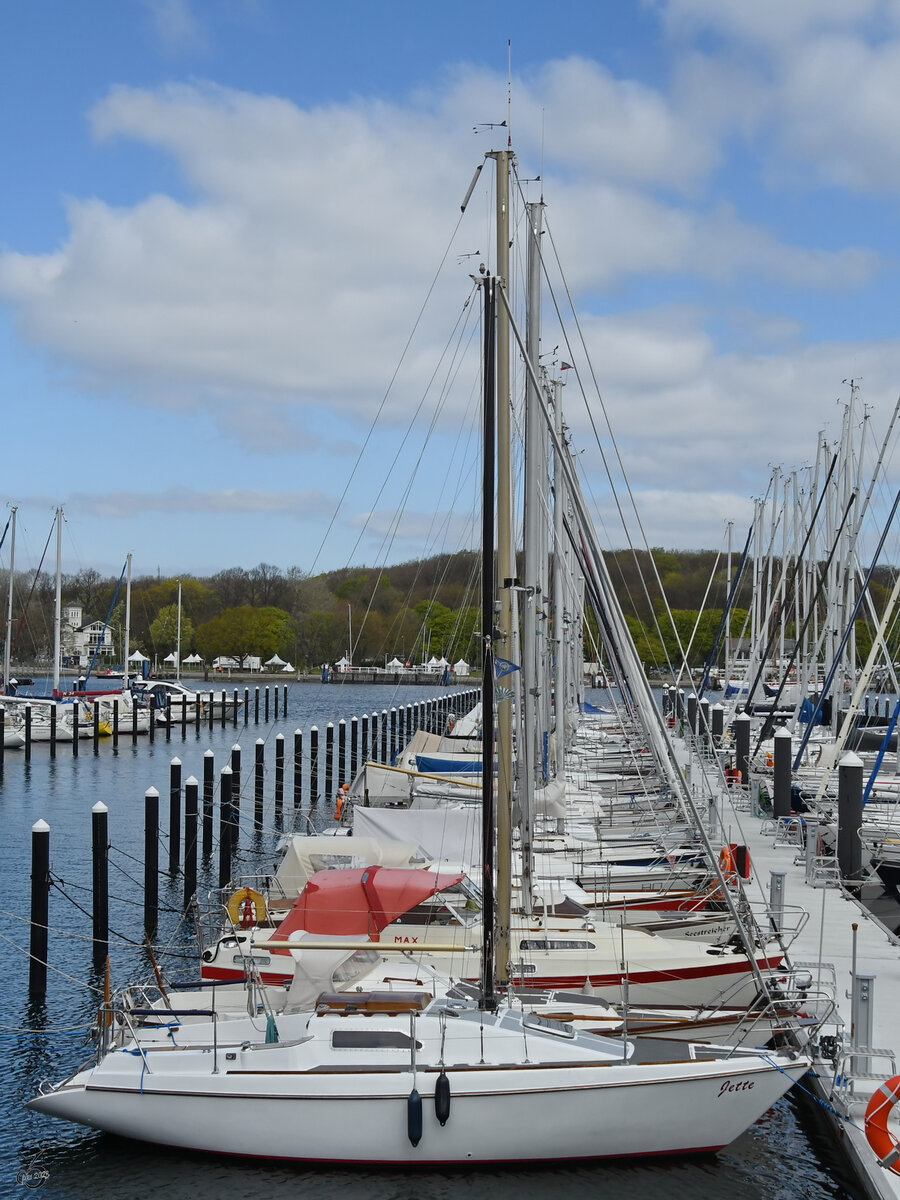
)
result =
(81, 640)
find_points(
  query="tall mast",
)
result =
(505, 575)
(7, 644)
(488, 949)
(532, 725)
(560, 580)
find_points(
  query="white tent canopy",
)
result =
(275, 661)
(138, 657)
(170, 658)
(192, 658)
(461, 667)
(394, 665)
(287, 668)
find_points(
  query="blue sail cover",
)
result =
(447, 766)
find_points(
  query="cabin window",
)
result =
(375, 1039)
(547, 944)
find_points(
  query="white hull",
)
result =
(521, 1095)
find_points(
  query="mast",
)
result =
(488, 977)
(730, 526)
(7, 644)
(560, 576)
(125, 646)
(178, 637)
(505, 570)
(532, 725)
(57, 607)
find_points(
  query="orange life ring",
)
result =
(245, 906)
(878, 1136)
(727, 865)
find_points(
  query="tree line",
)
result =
(414, 610)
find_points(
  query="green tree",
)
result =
(242, 632)
(164, 630)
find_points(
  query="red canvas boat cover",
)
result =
(360, 901)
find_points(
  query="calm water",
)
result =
(783, 1156)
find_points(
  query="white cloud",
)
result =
(772, 23)
(189, 500)
(176, 25)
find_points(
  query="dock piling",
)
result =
(151, 860)
(100, 878)
(40, 909)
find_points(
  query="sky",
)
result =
(233, 264)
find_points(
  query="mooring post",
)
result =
(75, 729)
(40, 909)
(314, 765)
(235, 705)
(246, 705)
(298, 768)
(279, 776)
(384, 736)
(224, 709)
(256, 705)
(115, 723)
(717, 718)
(198, 716)
(151, 860)
(850, 809)
(329, 763)
(225, 827)
(392, 743)
(100, 878)
(174, 814)
(781, 773)
(259, 783)
(236, 781)
(342, 751)
(354, 746)
(742, 746)
(191, 795)
(209, 794)
(275, 699)
(2, 738)
(168, 718)
(364, 747)
(284, 700)
(184, 709)
(266, 705)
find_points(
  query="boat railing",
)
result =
(785, 925)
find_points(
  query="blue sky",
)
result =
(221, 218)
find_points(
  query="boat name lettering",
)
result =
(406, 939)
(743, 1086)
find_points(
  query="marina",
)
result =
(506, 911)
(75, 1159)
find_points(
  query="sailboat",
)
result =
(416, 1077)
